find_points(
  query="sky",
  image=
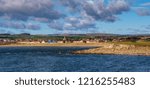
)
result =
(75, 16)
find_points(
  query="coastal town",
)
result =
(104, 43)
(7, 39)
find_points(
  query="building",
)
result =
(51, 41)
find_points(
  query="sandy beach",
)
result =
(101, 48)
(57, 44)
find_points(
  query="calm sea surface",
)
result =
(60, 59)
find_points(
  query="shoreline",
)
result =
(97, 48)
(119, 49)
(55, 45)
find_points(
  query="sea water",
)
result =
(61, 59)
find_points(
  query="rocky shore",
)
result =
(117, 49)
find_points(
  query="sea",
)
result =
(61, 59)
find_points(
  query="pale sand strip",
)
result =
(119, 49)
(103, 48)
(58, 44)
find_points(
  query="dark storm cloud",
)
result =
(73, 5)
(89, 12)
(98, 8)
(23, 9)
(102, 12)
(118, 6)
(17, 25)
(85, 13)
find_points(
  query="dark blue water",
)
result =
(60, 59)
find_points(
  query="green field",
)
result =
(138, 43)
(42, 37)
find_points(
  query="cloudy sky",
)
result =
(75, 16)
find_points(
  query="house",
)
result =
(28, 42)
(64, 40)
(7, 41)
(51, 41)
(43, 42)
